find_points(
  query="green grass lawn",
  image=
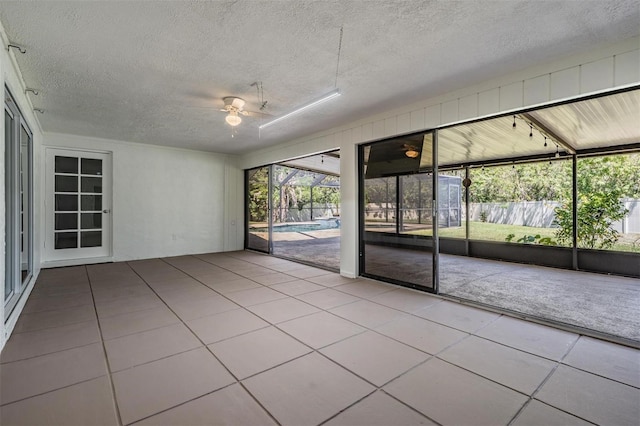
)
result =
(496, 232)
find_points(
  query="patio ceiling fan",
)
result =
(234, 107)
(410, 150)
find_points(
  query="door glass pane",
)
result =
(66, 202)
(66, 240)
(397, 243)
(258, 209)
(380, 204)
(306, 219)
(91, 184)
(91, 166)
(91, 220)
(8, 131)
(66, 184)
(66, 221)
(26, 251)
(91, 202)
(66, 165)
(91, 239)
(416, 215)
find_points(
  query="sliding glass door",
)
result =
(397, 241)
(258, 208)
(293, 209)
(18, 204)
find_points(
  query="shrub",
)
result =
(596, 214)
(532, 239)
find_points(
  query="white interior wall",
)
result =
(602, 68)
(166, 201)
(12, 79)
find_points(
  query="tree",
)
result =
(258, 195)
(602, 182)
(596, 214)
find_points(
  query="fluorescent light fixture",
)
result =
(333, 94)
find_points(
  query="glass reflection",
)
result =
(258, 209)
(396, 212)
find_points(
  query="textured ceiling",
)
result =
(141, 71)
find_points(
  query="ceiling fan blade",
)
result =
(199, 107)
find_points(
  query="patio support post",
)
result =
(386, 210)
(436, 242)
(419, 200)
(574, 204)
(399, 206)
(466, 210)
(281, 204)
(311, 196)
(270, 208)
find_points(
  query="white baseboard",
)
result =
(76, 262)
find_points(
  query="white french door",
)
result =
(78, 205)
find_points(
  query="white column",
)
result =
(348, 210)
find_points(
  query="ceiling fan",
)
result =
(234, 107)
(410, 150)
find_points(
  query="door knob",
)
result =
(106, 211)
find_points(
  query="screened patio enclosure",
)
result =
(293, 209)
(555, 187)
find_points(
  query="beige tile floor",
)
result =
(246, 339)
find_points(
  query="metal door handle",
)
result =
(106, 211)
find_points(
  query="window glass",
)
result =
(66, 165)
(608, 204)
(66, 240)
(91, 202)
(518, 203)
(91, 184)
(91, 166)
(66, 183)
(91, 239)
(380, 204)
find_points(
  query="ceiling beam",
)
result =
(545, 130)
(289, 176)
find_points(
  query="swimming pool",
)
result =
(333, 223)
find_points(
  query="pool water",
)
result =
(304, 227)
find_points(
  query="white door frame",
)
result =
(76, 256)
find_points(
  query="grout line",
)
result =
(349, 406)
(410, 407)
(59, 309)
(317, 351)
(543, 382)
(181, 404)
(361, 298)
(485, 377)
(49, 353)
(519, 413)
(213, 354)
(104, 351)
(55, 390)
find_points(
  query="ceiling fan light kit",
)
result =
(333, 94)
(233, 119)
